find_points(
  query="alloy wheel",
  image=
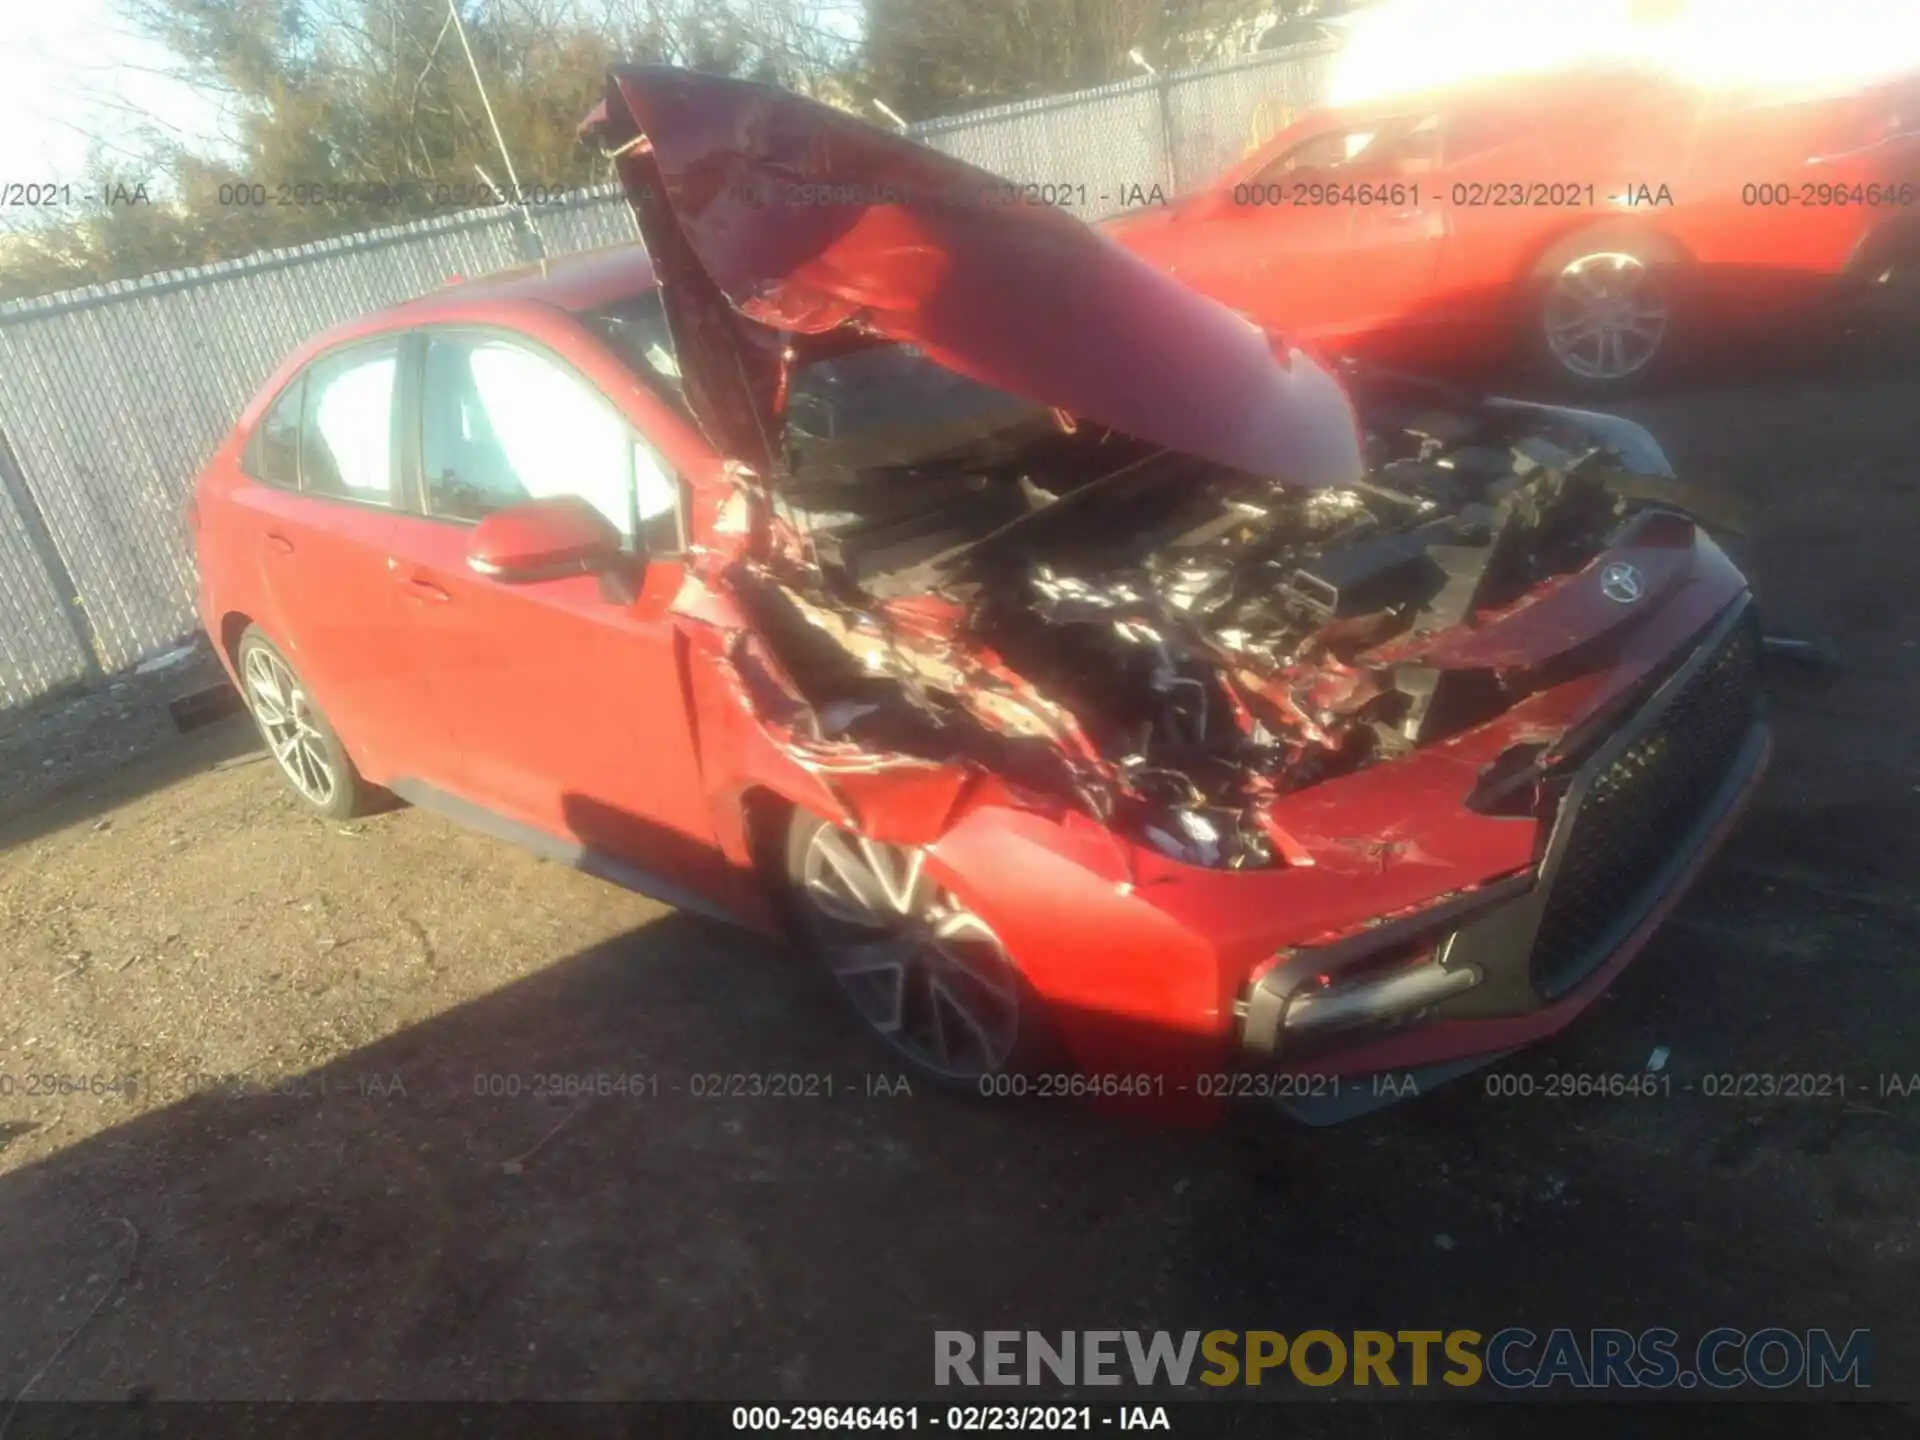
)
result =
(922, 969)
(286, 717)
(1605, 316)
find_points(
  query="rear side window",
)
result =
(346, 425)
(1475, 136)
(1401, 146)
(272, 455)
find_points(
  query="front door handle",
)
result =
(279, 543)
(417, 587)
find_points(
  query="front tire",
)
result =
(1605, 311)
(311, 758)
(928, 977)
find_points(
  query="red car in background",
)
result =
(1602, 221)
(1058, 657)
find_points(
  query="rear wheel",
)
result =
(926, 974)
(1606, 312)
(302, 743)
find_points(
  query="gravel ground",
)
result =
(347, 1216)
(57, 745)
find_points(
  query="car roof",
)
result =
(1545, 96)
(584, 280)
(1553, 90)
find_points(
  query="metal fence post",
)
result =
(40, 541)
(527, 238)
(1163, 93)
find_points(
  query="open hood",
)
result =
(771, 218)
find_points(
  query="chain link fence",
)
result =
(112, 397)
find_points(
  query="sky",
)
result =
(1411, 44)
(70, 68)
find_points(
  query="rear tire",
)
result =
(1607, 311)
(311, 758)
(925, 974)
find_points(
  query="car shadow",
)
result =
(671, 1165)
(80, 752)
(146, 764)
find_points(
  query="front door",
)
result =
(1336, 237)
(566, 701)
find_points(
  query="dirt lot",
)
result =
(384, 1230)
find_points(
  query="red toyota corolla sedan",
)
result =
(1601, 222)
(1052, 652)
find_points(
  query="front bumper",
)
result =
(1890, 246)
(1637, 816)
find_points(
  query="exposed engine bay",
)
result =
(1161, 640)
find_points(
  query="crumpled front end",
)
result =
(1172, 648)
(1440, 910)
(1369, 776)
(1247, 723)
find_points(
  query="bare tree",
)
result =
(934, 57)
(341, 115)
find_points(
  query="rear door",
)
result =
(566, 701)
(316, 517)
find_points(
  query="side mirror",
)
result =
(544, 540)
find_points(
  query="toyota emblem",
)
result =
(1621, 583)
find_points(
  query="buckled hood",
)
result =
(782, 230)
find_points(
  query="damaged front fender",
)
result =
(747, 713)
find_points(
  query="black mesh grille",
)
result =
(1640, 808)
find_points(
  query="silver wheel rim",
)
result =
(923, 970)
(285, 717)
(1605, 316)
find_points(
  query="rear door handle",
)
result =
(279, 543)
(417, 587)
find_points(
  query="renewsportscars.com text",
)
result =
(1513, 1358)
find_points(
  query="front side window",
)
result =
(502, 424)
(346, 427)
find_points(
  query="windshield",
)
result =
(890, 407)
(897, 466)
(636, 330)
(883, 406)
